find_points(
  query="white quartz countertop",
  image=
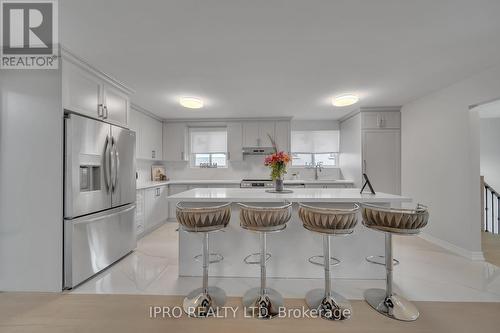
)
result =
(340, 195)
(150, 184)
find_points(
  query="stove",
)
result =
(256, 183)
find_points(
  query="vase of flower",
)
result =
(277, 162)
(278, 185)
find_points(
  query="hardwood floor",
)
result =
(38, 312)
(491, 247)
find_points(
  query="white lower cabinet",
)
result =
(139, 212)
(328, 185)
(316, 186)
(174, 189)
(156, 207)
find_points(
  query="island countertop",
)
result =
(332, 195)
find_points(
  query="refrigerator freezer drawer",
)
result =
(94, 242)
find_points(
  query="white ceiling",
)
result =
(252, 58)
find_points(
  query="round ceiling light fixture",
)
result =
(191, 102)
(345, 100)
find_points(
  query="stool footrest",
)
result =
(380, 260)
(248, 258)
(320, 261)
(213, 258)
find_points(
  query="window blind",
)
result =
(326, 141)
(208, 140)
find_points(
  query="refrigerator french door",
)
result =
(99, 198)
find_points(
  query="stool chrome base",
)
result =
(380, 260)
(333, 307)
(320, 261)
(260, 306)
(200, 304)
(395, 306)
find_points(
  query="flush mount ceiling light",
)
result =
(191, 102)
(345, 100)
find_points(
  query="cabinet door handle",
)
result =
(229, 155)
(182, 156)
(105, 115)
(364, 166)
(153, 154)
(100, 113)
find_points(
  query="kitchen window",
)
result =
(313, 147)
(208, 147)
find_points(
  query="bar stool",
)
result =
(400, 222)
(263, 302)
(328, 222)
(201, 302)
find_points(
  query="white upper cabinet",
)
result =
(82, 91)
(282, 135)
(251, 135)
(149, 135)
(381, 120)
(235, 141)
(115, 105)
(92, 93)
(175, 142)
(256, 133)
(266, 129)
(154, 141)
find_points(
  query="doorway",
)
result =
(489, 152)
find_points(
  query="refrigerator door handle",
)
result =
(113, 164)
(107, 169)
(117, 166)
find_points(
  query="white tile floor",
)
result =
(426, 272)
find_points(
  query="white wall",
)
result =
(490, 151)
(440, 159)
(31, 171)
(251, 167)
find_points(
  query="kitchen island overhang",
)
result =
(291, 248)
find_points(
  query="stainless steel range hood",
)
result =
(258, 150)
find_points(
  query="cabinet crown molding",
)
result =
(86, 65)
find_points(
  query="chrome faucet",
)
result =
(317, 167)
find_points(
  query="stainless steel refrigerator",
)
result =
(99, 196)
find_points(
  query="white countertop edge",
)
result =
(299, 195)
(150, 184)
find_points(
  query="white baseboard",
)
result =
(472, 255)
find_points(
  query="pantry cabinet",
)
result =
(381, 151)
(371, 144)
(92, 93)
(381, 120)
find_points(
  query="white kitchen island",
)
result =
(291, 247)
